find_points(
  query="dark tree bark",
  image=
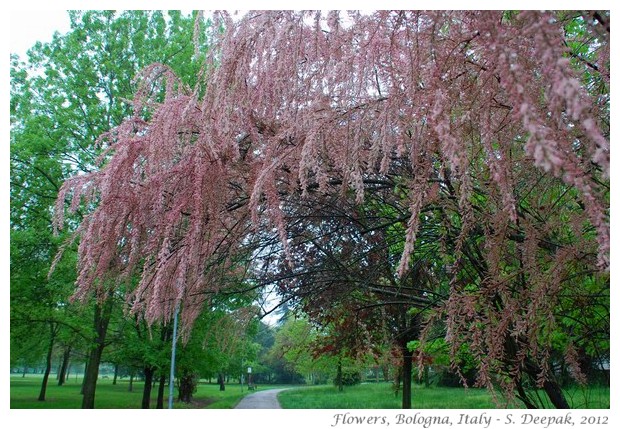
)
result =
(411, 327)
(187, 387)
(339, 376)
(166, 335)
(407, 367)
(532, 370)
(90, 378)
(160, 391)
(100, 322)
(148, 385)
(130, 389)
(115, 374)
(220, 381)
(555, 394)
(48, 361)
(62, 374)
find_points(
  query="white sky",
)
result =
(27, 27)
(36, 23)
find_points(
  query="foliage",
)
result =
(70, 90)
(348, 377)
(63, 96)
(295, 341)
(435, 356)
(491, 129)
(453, 70)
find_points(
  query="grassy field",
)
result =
(25, 391)
(380, 396)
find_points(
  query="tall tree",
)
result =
(68, 93)
(294, 344)
(40, 312)
(295, 102)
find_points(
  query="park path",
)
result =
(262, 399)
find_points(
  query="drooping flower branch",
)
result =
(290, 101)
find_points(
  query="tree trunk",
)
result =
(187, 387)
(83, 378)
(339, 376)
(101, 321)
(115, 374)
(62, 374)
(161, 390)
(90, 378)
(220, 381)
(148, 384)
(522, 394)
(48, 362)
(407, 368)
(531, 369)
(131, 382)
(166, 335)
(555, 394)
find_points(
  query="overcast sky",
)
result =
(30, 26)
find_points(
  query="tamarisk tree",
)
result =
(293, 103)
(64, 95)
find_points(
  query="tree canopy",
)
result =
(290, 102)
(496, 121)
(64, 94)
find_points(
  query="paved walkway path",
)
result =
(261, 399)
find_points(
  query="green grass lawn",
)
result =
(381, 396)
(25, 391)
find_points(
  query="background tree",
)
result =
(146, 350)
(264, 372)
(295, 343)
(41, 316)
